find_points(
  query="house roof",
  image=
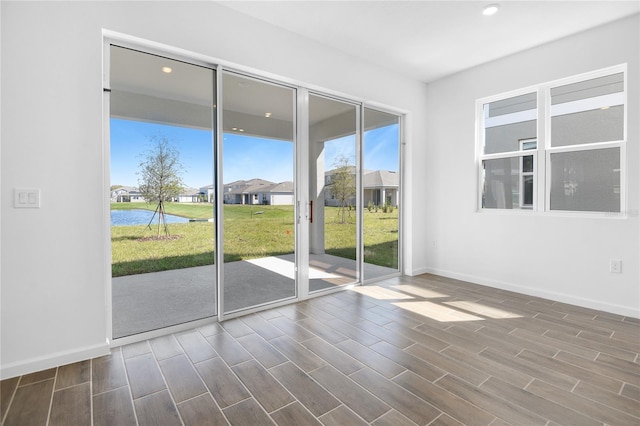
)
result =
(247, 186)
(254, 186)
(286, 186)
(126, 189)
(374, 178)
(189, 192)
(380, 178)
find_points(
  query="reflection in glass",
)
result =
(586, 180)
(509, 121)
(588, 111)
(501, 189)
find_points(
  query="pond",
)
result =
(140, 217)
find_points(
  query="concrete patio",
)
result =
(156, 300)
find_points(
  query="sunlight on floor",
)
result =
(483, 310)
(437, 312)
(419, 291)
(287, 268)
(380, 293)
(444, 311)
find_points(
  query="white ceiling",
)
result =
(427, 40)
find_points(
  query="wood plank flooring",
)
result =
(412, 350)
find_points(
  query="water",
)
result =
(140, 217)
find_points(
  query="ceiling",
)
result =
(427, 40)
(143, 90)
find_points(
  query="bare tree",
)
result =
(343, 185)
(160, 177)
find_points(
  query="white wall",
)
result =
(559, 257)
(54, 270)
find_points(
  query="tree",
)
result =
(343, 184)
(160, 177)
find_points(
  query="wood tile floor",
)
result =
(423, 350)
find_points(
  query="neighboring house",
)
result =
(208, 193)
(380, 187)
(189, 195)
(329, 198)
(258, 191)
(280, 194)
(130, 194)
(126, 194)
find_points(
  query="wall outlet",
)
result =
(615, 266)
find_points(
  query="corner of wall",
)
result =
(52, 360)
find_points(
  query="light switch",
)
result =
(26, 198)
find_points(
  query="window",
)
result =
(585, 145)
(579, 160)
(510, 129)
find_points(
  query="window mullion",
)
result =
(544, 131)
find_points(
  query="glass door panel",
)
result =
(381, 193)
(333, 221)
(161, 153)
(258, 153)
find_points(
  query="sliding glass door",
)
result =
(161, 160)
(333, 193)
(381, 193)
(230, 193)
(258, 192)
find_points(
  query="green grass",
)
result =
(250, 232)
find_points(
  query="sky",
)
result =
(244, 157)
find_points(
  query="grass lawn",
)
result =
(250, 232)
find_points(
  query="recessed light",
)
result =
(167, 70)
(491, 9)
(267, 114)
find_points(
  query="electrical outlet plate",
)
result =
(615, 266)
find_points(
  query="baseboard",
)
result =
(420, 271)
(536, 292)
(52, 360)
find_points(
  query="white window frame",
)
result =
(542, 154)
(579, 106)
(516, 117)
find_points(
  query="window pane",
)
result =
(586, 180)
(162, 134)
(501, 188)
(509, 121)
(527, 164)
(527, 188)
(588, 111)
(258, 179)
(381, 192)
(587, 89)
(333, 191)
